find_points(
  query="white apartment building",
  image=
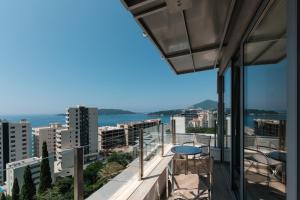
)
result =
(45, 134)
(180, 124)
(205, 119)
(15, 143)
(16, 170)
(190, 114)
(66, 140)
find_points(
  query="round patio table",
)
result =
(186, 151)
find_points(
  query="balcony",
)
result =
(151, 177)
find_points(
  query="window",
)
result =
(265, 106)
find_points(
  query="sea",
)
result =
(103, 120)
(113, 120)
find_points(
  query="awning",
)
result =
(195, 35)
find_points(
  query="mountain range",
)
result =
(205, 105)
(106, 111)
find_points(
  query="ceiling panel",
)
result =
(168, 30)
(205, 59)
(205, 22)
(183, 63)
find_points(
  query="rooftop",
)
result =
(23, 163)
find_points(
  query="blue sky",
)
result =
(60, 53)
(265, 87)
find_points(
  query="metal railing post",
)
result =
(162, 140)
(141, 158)
(167, 182)
(173, 129)
(78, 174)
(216, 133)
(158, 130)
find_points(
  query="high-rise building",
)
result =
(204, 119)
(207, 119)
(15, 143)
(84, 122)
(189, 115)
(111, 137)
(66, 140)
(81, 131)
(45, 134)
(16, 170)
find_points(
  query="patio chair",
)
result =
(261, 168)
(197, 184)
(203, 141)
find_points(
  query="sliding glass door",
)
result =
(265, 105)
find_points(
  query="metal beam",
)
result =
(188, 38)
(78, 173)
(293, 101)
(150, 11)
(228, 18)
(198, 50)
(137, 5)
(204, 68)
(243, 16)
(141, 156)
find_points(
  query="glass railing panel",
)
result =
(152, 142)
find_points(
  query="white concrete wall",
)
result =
(179, 124)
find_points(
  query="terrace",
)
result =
(243, 43)
(150, 175)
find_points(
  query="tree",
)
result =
(45, 175)
(90, 173)
(15, 190)
(28, 190)
(122, 158)
(3, 197)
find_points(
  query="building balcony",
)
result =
(152, 176)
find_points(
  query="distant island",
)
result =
(204, 105)
(259, 112)
(210, 105)
(166, 112)
(105, 111)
